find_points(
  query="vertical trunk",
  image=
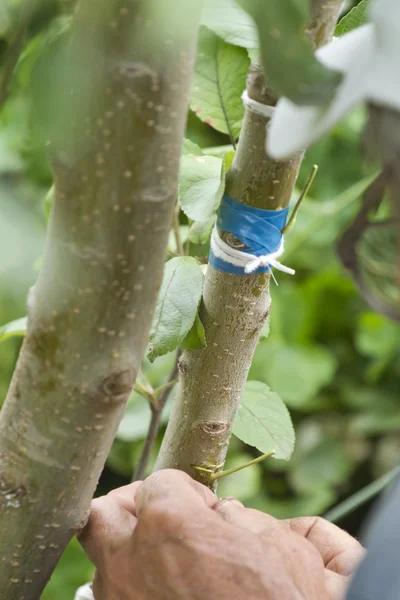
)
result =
(234, 308)
(116, 161)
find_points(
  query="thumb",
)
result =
(173, 490)
(111, 521)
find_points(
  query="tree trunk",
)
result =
(116, 161)
(234, 308)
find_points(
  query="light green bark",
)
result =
(115, 152)
(234, 308)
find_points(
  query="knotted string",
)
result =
(260, 232)
(85, 593)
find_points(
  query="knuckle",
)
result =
(171, 477)
(159, 515)
(97, 509)
(97, 519)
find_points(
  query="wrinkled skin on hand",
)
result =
(169, 538)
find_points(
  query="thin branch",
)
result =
(165, 387)
(177, 231)
(234, 309)
(154, 427)
(347, 244)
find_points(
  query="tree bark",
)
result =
(234, 308)
(324, 16)
(116, 161)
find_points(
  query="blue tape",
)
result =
(259, 229)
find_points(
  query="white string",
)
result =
(248, 262)
(85, 593)
(257, 107)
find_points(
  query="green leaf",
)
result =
(266, 330)
(121, 458)
(355, 18)
(327, 464)
(202, 134)
(228, 159)
(14, 329)
(225, 152)
(177, 305)
(219, 151)
(295, 372)
(291, 67)
(196, 338)
(319, 223)
(183, 232)
(189, 147)
(201, 186)
(263, 421)
(136, 420)
(218, 82)
(313, 502)
(230, 22)
(377, 336)
(200, 231)
(376, 421)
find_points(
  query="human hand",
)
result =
(170, 538)
(340, 552)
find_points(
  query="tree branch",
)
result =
(155, 422)
(234, 308)
(324, 16)
(116, 160)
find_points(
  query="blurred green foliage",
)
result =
(333, 361)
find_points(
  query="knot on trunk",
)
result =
(214, 428)
(117, 385)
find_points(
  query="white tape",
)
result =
(263, 110)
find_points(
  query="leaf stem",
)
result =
(215, 476)
(289, 226)
(164, 387)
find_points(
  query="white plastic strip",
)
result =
(263, 110)
(249, 262)
(85, 593)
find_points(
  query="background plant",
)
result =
(332, 360)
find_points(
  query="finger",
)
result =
(336, 585)
(111, 521)
(233, 511)
(340, 552)
(126, 496)
(173, 491)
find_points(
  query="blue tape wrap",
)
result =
(258, 229)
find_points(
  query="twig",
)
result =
(346, 246)
(250, 463)
(289, 226)
(177, 231)
(154, 427)
(165, 387)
